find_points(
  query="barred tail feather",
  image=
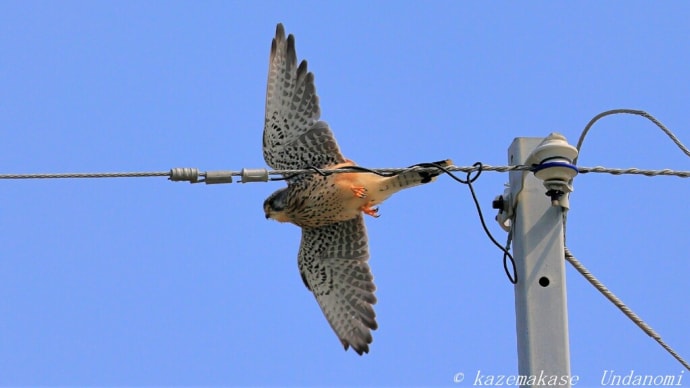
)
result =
(414, 177)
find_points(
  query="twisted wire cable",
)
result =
(622, 306)
(642, 113)
(190, 174)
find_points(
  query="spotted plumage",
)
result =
(334, 252)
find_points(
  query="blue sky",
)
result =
(149, 282)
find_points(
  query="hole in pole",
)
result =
(544, 281)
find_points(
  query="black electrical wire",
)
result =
(512, 275)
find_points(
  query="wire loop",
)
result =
(642, 113)
(478, 167)
(512, 275)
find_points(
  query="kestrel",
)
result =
(334, 251)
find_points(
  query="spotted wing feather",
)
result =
(294, 138)
(333, 264)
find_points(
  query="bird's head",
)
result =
(275, 204)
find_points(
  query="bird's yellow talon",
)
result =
(372, 211)
(359, 191)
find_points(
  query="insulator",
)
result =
(552, 161)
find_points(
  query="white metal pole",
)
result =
(540, 294)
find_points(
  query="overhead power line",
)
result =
(194, 175)
(622, 306)
(581, 268)
(70, 175)
(642, 113)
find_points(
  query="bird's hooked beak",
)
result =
(279, 216)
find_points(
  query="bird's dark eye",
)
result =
(277, 200)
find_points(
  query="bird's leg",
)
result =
(359, 191)
(372, 211)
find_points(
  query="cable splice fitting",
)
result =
(191, 175)
(221, 176)
(253, 175)
(184, 174)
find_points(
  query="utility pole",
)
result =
(537, 224)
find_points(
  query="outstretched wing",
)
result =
(294, 138)
(333, 264)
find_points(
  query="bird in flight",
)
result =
(334, 251)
